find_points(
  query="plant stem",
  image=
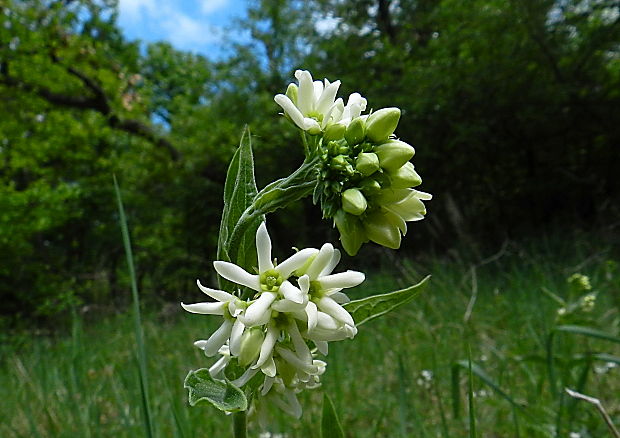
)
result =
(240, 427)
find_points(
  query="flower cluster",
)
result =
(296, 305)
(366, 181)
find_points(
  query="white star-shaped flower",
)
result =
(271, 282)
(312, 104)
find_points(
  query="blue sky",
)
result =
(194, 25)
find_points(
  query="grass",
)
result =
(404, 375)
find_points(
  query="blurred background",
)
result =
(513, 107)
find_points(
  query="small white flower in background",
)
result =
(269, 332)
(313, 106)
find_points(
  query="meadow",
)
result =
(404, 375)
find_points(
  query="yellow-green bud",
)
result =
(355, 131)
(369, 186)
(291, 93)
(367, 163)
(405, 177)
(354, 202)
(382, 123)
(352, 234)
(251, 343)
(335, 131)
(381, 229)
(394, 154)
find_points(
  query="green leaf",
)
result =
(374, 306)
(239, 192)
(330, 424)
(587, 331)
(222, 394)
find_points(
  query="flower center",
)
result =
(271, 280)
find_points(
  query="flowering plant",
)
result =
(278, 321)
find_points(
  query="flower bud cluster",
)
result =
(296, 306)
(365, 181)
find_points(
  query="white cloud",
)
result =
(134, 9)
(209, 6)
(184, 31)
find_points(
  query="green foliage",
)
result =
(330, 424)
(223, 395)
(367, 309)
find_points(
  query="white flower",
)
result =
(312, 105)
(226, 305)
(271, 281)
(325, 289)
(356, 104)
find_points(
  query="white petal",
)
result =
(216, 294)
(288, 306)
(339, 297)
(292, 404)
(263, 248)
(423, 195)
(295, 261)
(290, 109)
(269, 368)
(313, 315)
(318, 91)
(218, 366)
(342, 280)
(329, 306)
(326, 322)
(304, 283)
(205, 308)
(311, 126)
(301, 349)
(267, 348)
(245, 377)
(257, 310)
(322, 346)
(332, 263)
(235, 337)
(326, 100)
(238, 275)
(200, 344)
(296, 361)
(291, 293)
(218, 338)
(305, 95)
(321, 261)
(267, 384)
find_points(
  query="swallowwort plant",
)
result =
(277, 319)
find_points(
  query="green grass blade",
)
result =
(470, 394)
(330, 424)
(587, 331)
(141, 351)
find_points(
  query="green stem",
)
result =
(276, 195)
(240, 426)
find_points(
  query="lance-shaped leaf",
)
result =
(239, 192)
(374, 306)
(221, 394)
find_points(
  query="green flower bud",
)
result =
(405, 177)
(369, 186)
(352, 234)
(335, 131)
(355, 131)
(251, 343)
(341, 163)
(393, 154)
(291, 93)
(382, 123)
(354, 202)
(384, 228)
(367, 163)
